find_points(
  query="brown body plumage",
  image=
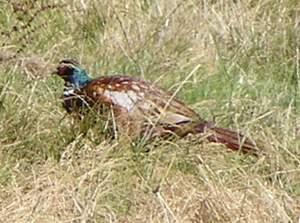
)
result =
(142, 109)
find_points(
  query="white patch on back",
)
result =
(133, 95)
(123, 99)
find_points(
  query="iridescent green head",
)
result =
(72, 73)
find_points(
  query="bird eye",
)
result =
(64, 70)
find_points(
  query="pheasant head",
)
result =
(72, 73)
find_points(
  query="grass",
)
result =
(248, 79)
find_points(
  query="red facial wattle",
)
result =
(63, 71)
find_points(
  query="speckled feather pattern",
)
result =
(132, 93)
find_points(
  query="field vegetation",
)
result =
(235, 62)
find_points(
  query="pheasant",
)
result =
(139, 108)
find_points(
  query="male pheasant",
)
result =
(140, 108)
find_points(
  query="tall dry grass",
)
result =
(53, 169)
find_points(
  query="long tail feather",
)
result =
(232, 139)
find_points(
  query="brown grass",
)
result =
(53, 169)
